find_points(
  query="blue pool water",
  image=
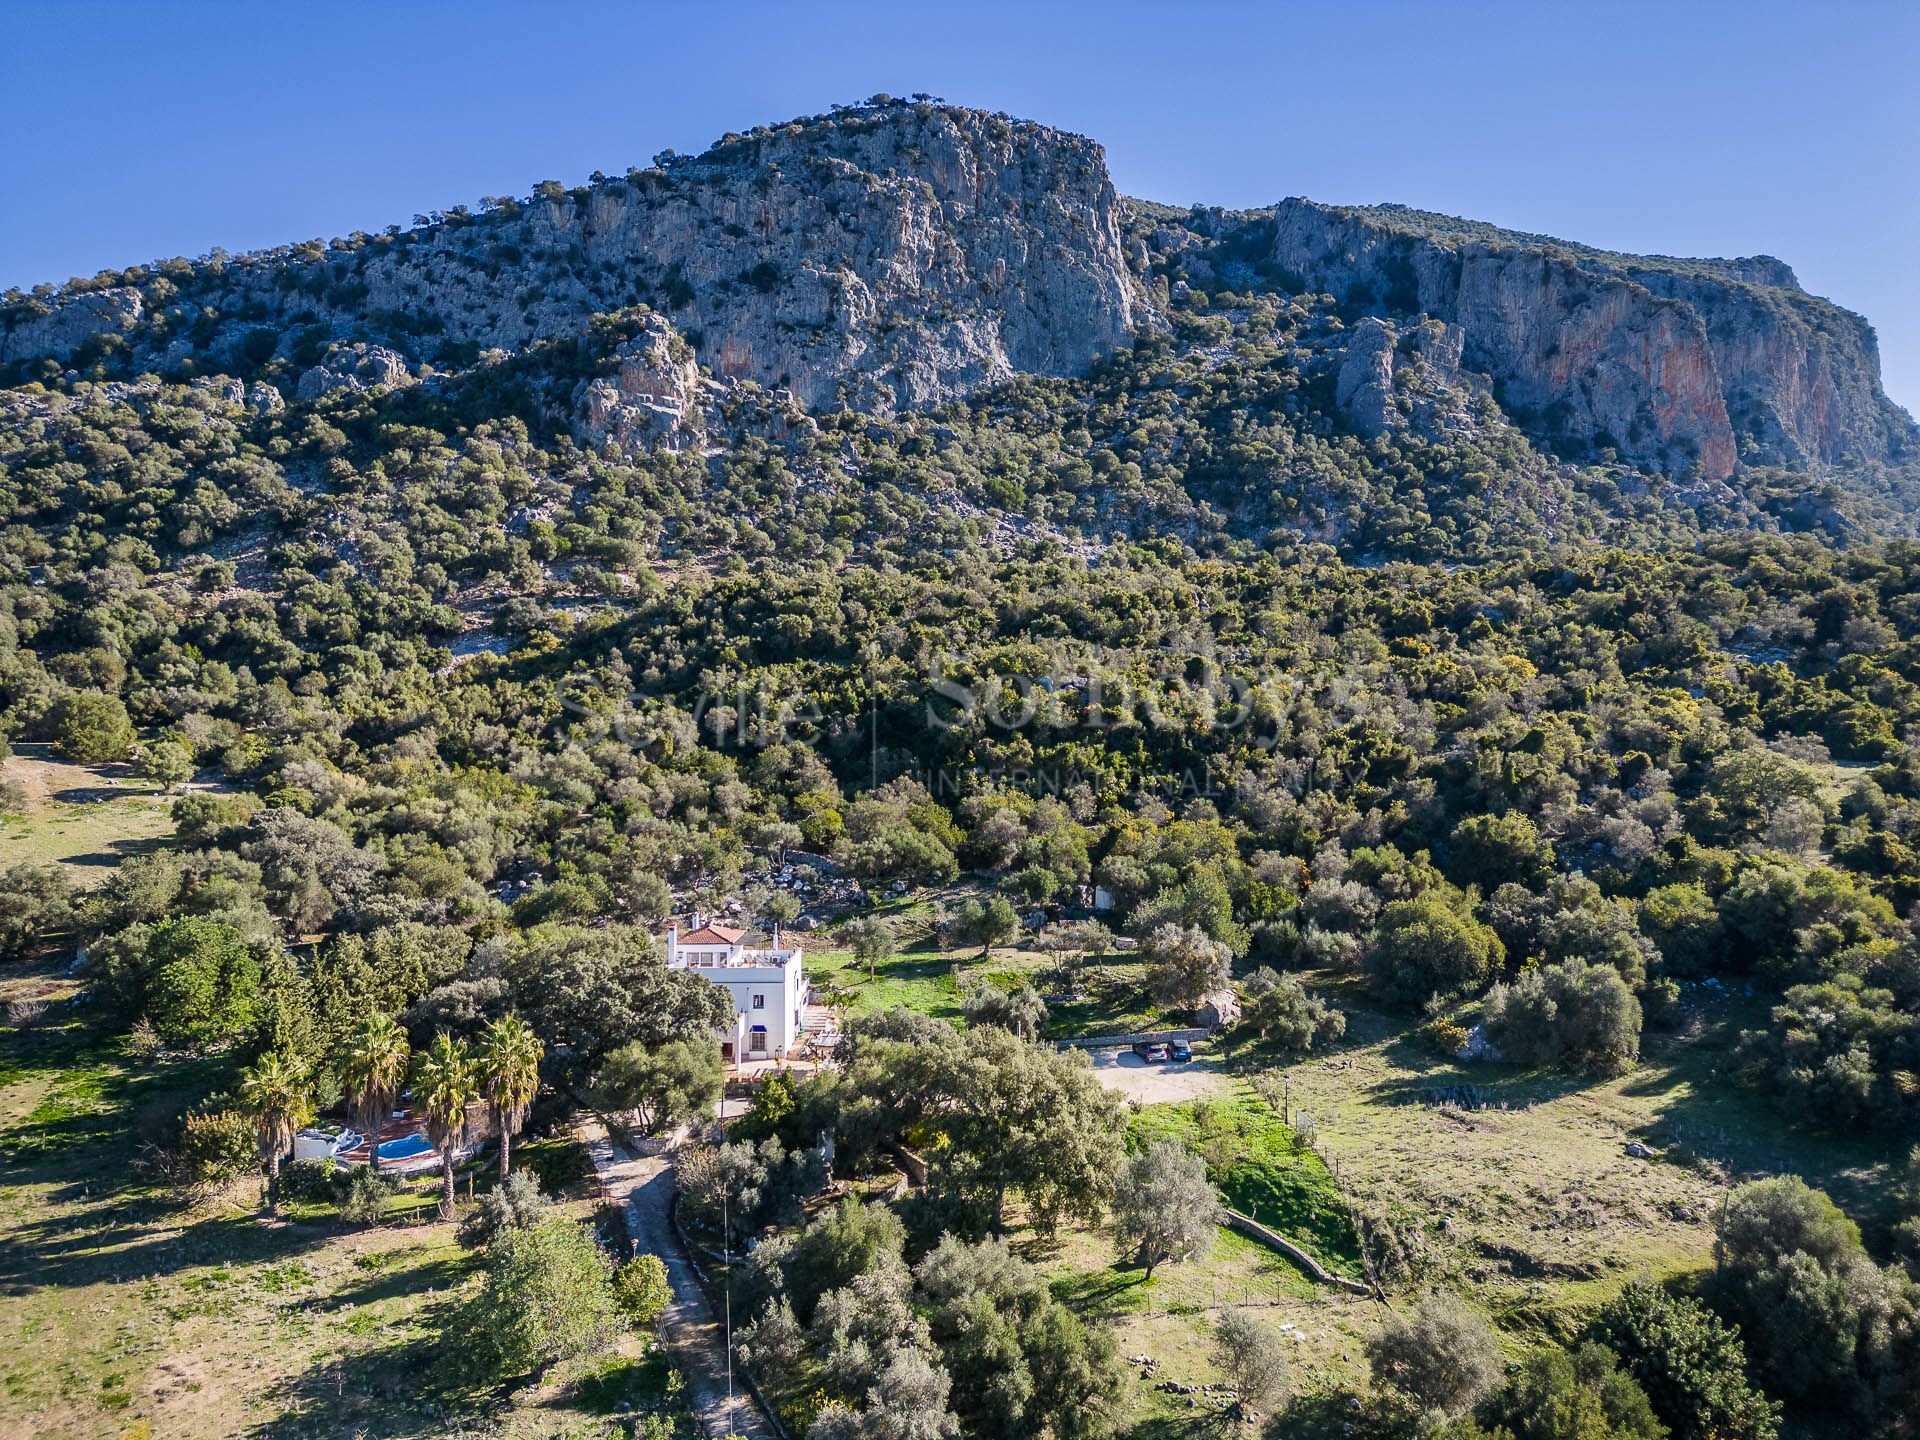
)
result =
(405, 1148)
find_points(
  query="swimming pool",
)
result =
(407, 1147)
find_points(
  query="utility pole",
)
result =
(726, 1255)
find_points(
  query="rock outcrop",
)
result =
(1386, 378)
(1669, 362)
(656, 399)
(357, 366)
(59, 330)
(889, 256)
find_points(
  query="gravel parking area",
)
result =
(1122, 1070)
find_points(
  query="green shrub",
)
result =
(548, 1295)
(366, 1196)
(91, 728)
(515, 1204)
(642, 1289)
(1692, 1365)
(311, 1182)
(217, 1144)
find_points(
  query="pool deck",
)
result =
(395, 1127)
(419, 1162)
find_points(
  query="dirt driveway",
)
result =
(1118, 1068)
(644, 1183)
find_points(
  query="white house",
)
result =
(768, 987)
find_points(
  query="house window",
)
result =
(757, 1040)
(759, 1002)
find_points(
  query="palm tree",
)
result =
(509, 1064)
(372, 1072)
(444, 1085)
(278, 1090)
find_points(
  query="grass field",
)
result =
(128, 1317)
(1262, 1171)
(1171, 1318)
(85, 817)
(924, 976)
(1519, 1184)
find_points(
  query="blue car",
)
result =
(1180, 1050)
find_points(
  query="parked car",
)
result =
(1152, 1051)
(1180, 1050)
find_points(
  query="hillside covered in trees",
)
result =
(1271, 602)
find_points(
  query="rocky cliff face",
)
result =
(1670, 362)
(885, 257)
(893, 256)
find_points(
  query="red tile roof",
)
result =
(713, 935)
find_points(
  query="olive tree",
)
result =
(1443, 1353)
(1164, 1207)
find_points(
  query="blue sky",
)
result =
(139, 131)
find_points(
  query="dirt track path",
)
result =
(694, 1335)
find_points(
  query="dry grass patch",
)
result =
(1522, 1184)
(85, 817)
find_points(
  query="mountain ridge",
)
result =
(1677, 361)
(898, 255)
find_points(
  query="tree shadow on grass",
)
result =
(1701, 1114)
(85, 1125)
(422, 1384)
(622, 1385)
(1489, 1085)
(95, 1217)
(931, 965)
(109, 1243)
(1653, 1082)
(1102, 1294)
(398, 1279)
(1318, 1415)
(100, 794)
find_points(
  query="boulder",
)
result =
(1480, 1046)
(1218, 1010)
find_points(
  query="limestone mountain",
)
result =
(882, 257)
(899, 255)
(1668, 361)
